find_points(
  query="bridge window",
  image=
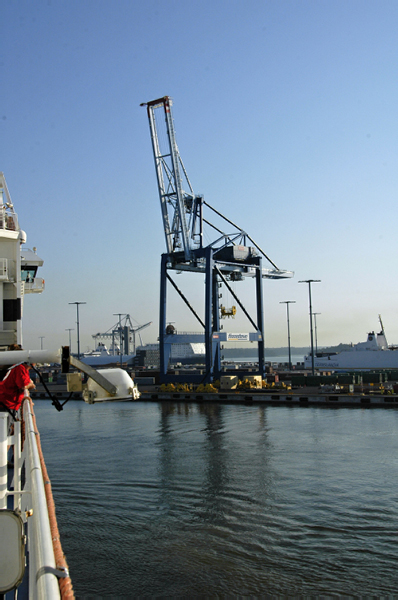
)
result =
(28, 274)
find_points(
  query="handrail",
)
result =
(65, 582)
(35, 286)
(43, 583)
(8, 219)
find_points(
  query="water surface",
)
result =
(184, 499)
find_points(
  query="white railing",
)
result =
(8, 219)
(3, 268)
(34, 287)
(31, 501)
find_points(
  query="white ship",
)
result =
(370, 355)
(101, 356)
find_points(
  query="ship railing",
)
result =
(36, 286)
(27, 497)
(8, 219)
(187, 333)
(3, 269)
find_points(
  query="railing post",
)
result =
(17, 464)
(3, 457)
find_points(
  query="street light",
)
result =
(70, 339)
(316, 334)
(287, 302)
(309, 281)
(77, 323)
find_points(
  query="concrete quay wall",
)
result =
(303, 397)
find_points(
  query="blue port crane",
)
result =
(230, 255)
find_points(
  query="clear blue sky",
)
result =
(286, 119)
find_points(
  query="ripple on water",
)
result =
(185, 499)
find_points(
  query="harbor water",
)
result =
(183, 499)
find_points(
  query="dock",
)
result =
(310, 396)
(297, 398)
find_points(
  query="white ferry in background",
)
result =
(101, 356)
(370, 355)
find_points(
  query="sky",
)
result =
(285, 118)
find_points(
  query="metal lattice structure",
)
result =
(124, 332)
(229, 255)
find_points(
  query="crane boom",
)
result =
(170, 171)
(183, 210)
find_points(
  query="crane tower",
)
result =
(230, 256)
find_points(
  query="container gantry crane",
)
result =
(124, 332)
(231, 256)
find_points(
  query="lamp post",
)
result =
(77, 323)
(70, 339)
(316, 334)
(287, 302)
(309, 281)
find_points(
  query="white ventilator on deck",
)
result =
(125, 387)
(102, 385)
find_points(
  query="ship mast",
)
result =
(382, 332)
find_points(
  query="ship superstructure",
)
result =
(18, 271)
(372, 354)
